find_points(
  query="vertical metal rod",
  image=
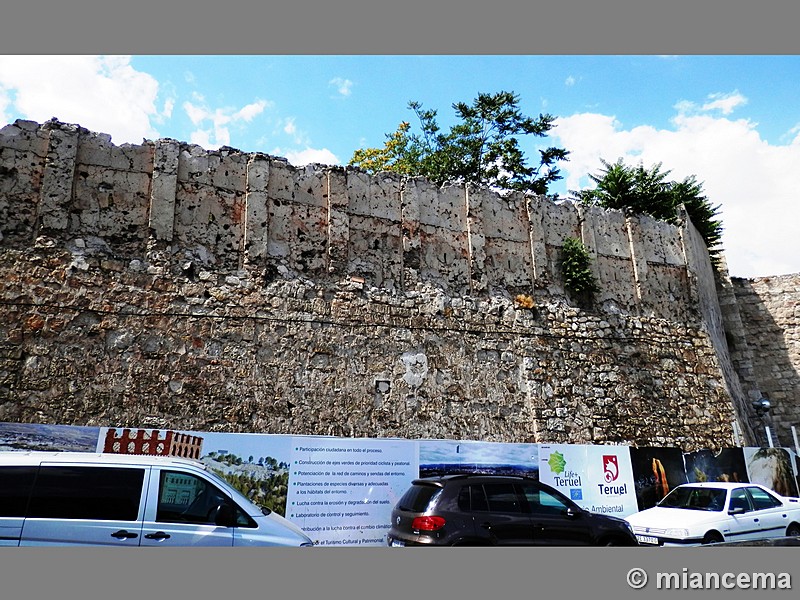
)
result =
(796, 443)
(737, 435)
(769, 437)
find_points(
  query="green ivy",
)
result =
(578, 278)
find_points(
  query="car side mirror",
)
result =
(736, 511)
(573, 512)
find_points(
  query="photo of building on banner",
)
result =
(597, 478)
(255, 464)
(342, 491)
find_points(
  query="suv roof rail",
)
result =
(454, 476)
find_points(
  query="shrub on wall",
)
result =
(575, 268)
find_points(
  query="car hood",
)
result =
(663, 518)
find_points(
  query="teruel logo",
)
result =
(610, 474)
(557, 463)
(610, 468)
(562, 477)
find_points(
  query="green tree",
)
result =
(576, 269)
(637, 190)
(482, 147)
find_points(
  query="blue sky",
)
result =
(433, 452)
(733, 121)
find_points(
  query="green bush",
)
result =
(575, 267)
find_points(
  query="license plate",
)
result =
(398, 543)
(647, 539)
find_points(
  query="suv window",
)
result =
(502, 497)
(472, 498)
(543, 502)
(418, 497)
(15, 487)
(98, 493)
(762, 499)
(494, 497)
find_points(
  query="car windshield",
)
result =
(695, 498)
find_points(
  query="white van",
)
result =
(79, 498)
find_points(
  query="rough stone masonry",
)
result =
(164, 285)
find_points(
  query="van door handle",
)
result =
(124, 534)
(486, 525)
(158, 535)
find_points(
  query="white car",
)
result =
(705, 513)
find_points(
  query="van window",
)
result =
(186, 498)
(15, 487)
(99, 493)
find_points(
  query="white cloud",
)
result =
(343, 86)
(725, 102)
(570, 81)
(755, 182)
(195, 113)
(169, 105)
(793, 135)
(102, 93)
(213, 126)
(202, 138)
(299, 137)
(5, 101)
(249, 112)
(299, 158)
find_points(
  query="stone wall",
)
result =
(163, 285)
(231, 210)
(770, 317)
(98, 342)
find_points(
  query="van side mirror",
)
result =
(225, 515)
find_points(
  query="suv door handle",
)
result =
(486, 525)
(158, 535)
(124, 534)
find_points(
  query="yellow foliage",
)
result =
(524, 301)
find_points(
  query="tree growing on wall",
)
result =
(482, 147)
(640, 190)
(576, 269)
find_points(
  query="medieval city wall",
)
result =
(164, 285)
(770, 319)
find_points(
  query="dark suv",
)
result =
(498, 510)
